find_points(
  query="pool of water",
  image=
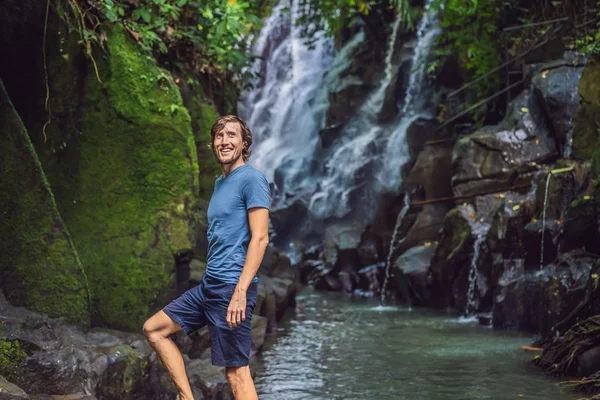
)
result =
(332, 347)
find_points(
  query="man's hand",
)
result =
(236, 312)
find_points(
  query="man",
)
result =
(238, 217)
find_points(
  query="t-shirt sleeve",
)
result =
(257, 192)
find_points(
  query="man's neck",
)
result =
(227, 169)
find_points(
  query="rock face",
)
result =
(585, 133)
(40, 267)
(497, 157)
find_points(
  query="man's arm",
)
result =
(258, 220)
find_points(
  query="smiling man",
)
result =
(238, 217)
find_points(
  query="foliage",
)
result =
(213, 31)
(11, 357)
(589, 44)
(471, 33)
(331, 16)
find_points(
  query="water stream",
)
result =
(480, 231)
(333, 348)
(544, 219)
(393, 243)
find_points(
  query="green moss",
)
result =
(11, 357)
(461, 232)
(587, 119)
(126, 178)
(203, 117)
(40, 268)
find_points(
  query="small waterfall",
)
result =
(416, 102)
(393, 243)
(480, 231)
(544, 219)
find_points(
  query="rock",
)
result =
(123, 378)
(589, 362)
(535, 301)
(330, 134)
(197, 270)
(532, 239)
(587, 118)
(259, 331)
(345, 101)
(294, 210)
(580, 228)
(371, 278)
(369, 249)
(413, 265)
(8, 388)
(433, 171)
(496, 157)
(41, 267)
(452, 258)
(557, 91)
(418, 133)
(509, 307)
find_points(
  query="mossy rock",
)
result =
(587, 119)
(125, 174)
(40, 268)
(124, 378)
(138, 180)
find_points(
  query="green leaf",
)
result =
(145, 15)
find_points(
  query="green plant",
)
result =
(11, 357)
(331, 16)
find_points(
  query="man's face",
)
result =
(228, 144)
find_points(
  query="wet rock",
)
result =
(9, 388)
(331, 134)
(259, 331)
(497, 157)
(588, 363)
(292, 210)
(371, 279)
(345, 100)
(123, 378)
(557, 92)
(197, 270)
(535, 301)
(418, 133)
(532, 239)
(580, 228)
(449, 266)
(509, 308)
(369, 249)
(413, 265)
(587, 118)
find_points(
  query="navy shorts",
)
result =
(206, 304)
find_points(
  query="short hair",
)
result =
(219, 125)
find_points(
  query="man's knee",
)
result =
(237, 375)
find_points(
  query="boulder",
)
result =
(293, 209)
(587, 118)
(557, 92)
(497, 157)
(40, 266)
(413, 265)
(535, 301)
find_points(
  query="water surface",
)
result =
(333, 347)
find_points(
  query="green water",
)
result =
(335, 348)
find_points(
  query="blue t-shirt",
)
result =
(228, 228)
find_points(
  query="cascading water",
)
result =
(287, 109)
(480, 231)
(394, 242)
(544, 219)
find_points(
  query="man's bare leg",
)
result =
(241, 383)
(157, 330)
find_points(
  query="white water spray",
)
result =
(394, 242)
(544, 219)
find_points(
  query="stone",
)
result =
(413, 265)
(557, 91)
(293, 210)
(9, 388)
(587, 118)
(497, 157)
(40, 266)
(259, 331)
(588, 362)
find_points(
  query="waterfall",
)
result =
(393, 243)
(287, 110)
(480, 231)
(544, 219)
(416, 102)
